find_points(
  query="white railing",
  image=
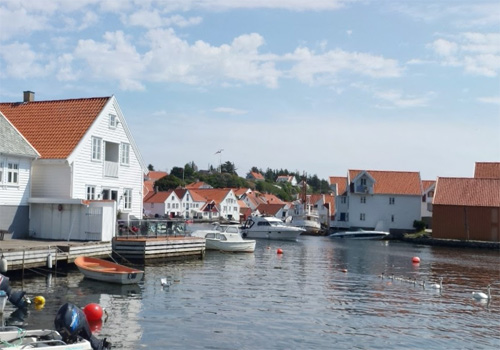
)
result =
(111, 169)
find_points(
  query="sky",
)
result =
(311, 86)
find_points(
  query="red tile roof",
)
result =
(467, 192)
(393, 182)
(487, 170)
(426, 184)
(257, 176)
(341, 182)
(54, 128)
(212, 194)
(158, 197)
(156, 175)
(270, 209)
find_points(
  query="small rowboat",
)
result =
(107, 271)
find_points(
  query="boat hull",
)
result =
(287, 235)
(106, 271)
(234, 247)
(41, 339)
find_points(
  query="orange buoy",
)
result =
(279, 251)
(344, 270)
(415, 259)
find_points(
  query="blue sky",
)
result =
(313, 86)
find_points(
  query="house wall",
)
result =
(466, 223)
(14, 209)
(153, 209)
(377, 209)
(51, 179)
(87, 172)
(229, 207)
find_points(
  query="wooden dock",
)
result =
(161, 247)
(22, 254)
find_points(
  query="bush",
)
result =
(418, 225)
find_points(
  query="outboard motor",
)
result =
(71, 323)
(17, 298)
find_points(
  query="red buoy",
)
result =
(344, 270)
(415, 259)
(93, 312)
(95, 326)
(279, 251)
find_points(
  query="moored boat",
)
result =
(360, 234)
(107, 271)
(14, 338)
(269, 227)
(226, 238)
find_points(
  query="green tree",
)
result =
(169, 182)
(151, 167)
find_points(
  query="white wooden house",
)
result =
(16, 156)
(89, 167)
(386, 200)
(220, 202)
(163, 204)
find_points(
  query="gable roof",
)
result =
(270, 208)
(427, 184)
(393, 182)
(158, 197)
(198, 184)
(256, 176)
(54, 128)
(467, 192)
(341, 182)
(155, 175)
(212, 194)
(485, 170)
(12, 142)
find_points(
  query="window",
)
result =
(391, 200)
(343, 199)
(125, 154)
(363, 199)
(431, 194)
(362, 216)
(392, 218)
(96, 148)
(168, 205)
(363, 182)
(113, 121)
(127, 198)
(12, 173)
(1, 172)
(90, 193)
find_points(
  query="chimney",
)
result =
(28, 96)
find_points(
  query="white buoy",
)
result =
(49, 260)
(3, 264)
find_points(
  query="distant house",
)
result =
(163, 204)
(219, 203)
(287, 179)
(278, 210)
(255, 176)
(388, 200)
(428, 187)
(467, 209)
(16, 157)
(198, 184)
(88, 170)
(150, 179)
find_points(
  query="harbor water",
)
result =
(321, 293)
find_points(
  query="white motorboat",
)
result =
(360, 234)
(14, 338)
(270, 227)
(309, 222)
(226, 238)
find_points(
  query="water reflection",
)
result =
(317, 293)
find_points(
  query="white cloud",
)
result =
(477, 53)
(490, 100)
(21, 61)
(229, 110)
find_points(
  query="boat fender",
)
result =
(3, 264)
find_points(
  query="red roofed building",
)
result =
(150, 179)
(373, 199)
(467, 209)
(428, 187)
(89, 166)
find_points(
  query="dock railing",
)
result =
(151, 228)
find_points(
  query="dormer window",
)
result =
(113, 121)
(363, 181)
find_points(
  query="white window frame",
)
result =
(90, 192)
(362, 199)
(392, 200)
(96, 149)
(113, 121)
(127, 199)
(1, 171)
(12, 173)
(125, 153)
(362, 217)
